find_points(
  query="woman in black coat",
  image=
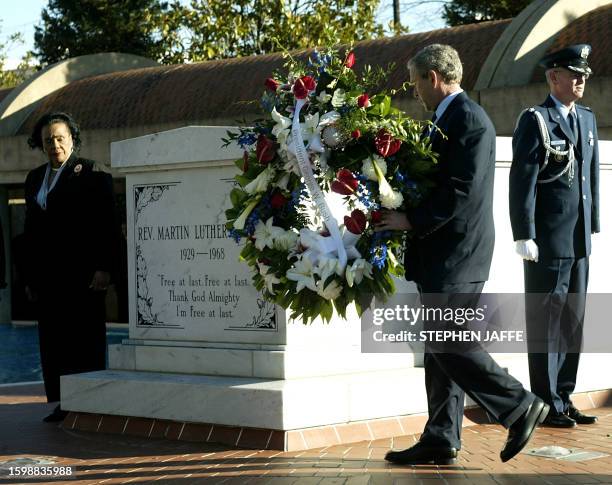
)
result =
(70, 235)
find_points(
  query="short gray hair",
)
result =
(441, 58)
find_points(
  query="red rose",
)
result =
(245, 159)
(350, 60)
(376, 216)
(278, 200)
(385, 144)
(272, 84)
(356, 134)
(264, 150)
(356, 222)
(303, 86)
(363, 101)
(345, 182)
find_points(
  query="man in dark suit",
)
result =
(554, 208)
(449, 258)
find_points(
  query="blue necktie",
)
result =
(573, 122)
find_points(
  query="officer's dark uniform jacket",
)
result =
(558, 211)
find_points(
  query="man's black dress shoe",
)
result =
(580, 418)
(522, 430)
(421, 454)
(56, 416)
(556, 420)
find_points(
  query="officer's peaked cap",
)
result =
(573, 57)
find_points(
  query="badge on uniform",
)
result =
(591, 138)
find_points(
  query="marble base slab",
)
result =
(249, 402)
(291, 440)
(244, 362)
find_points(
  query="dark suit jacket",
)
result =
(454, 235)
(76, 235)
(559, 216)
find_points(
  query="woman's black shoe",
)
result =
(56, 416)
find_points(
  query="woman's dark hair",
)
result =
(35, 140)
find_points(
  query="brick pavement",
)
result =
(112, 459)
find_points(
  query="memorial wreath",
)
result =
(314, 176)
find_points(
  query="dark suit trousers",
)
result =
(449, 375)
(555, 304)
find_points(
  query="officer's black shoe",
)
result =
(580, 418)
(422, 454)
(56, 416)
(557, 420)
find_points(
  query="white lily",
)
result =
(330, 292)
(261, 182)
(311, 122)
(282, 122)
(357, 271)
(315, 145)
(265, 234)
(389, 198)
(282, 128)
(367, 167)
(302, 273)
(270, 279)
(241, 221)
(283, 182)
(282, 137)
(349, 240)
(327, 267)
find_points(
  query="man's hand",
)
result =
(100, 281)
(527, 249)
(392, 221)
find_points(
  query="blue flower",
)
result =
(235, 235)
(245, 140)
(296, 195)
(315, 59)
(251, 221)
(365, 200)
(378, 255)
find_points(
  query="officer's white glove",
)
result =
(527, 249)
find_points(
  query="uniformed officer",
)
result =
(554, 199)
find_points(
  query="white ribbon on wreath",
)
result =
(315, 191)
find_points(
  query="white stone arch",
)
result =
(516, 53)
(24, 99)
